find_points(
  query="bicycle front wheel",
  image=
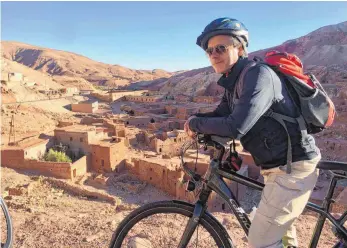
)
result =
(161, 224)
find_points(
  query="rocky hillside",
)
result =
(323, 52)
(66, 66)
(48, 212)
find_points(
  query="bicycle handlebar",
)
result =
(207, 140)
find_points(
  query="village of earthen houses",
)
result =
(123, 131)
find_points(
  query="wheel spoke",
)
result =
(164, 225)
(168, 227)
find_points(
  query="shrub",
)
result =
(55, 156)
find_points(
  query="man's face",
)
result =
(223, 55)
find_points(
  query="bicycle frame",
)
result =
(214, 182)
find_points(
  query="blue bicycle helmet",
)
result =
(224, 26)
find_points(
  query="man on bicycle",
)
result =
(241, 115)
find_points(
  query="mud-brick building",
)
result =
(85, 107)
(108, 155)
(78, 137)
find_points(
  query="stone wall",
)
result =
(15, 159)
(173, 181)
(12, 157)
(143, 98)
(102, 97)
(79, 167)
(205, 99)
(84, 107)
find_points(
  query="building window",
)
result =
(71, 139)
(175, 140)
(81, 139)
(102, 163)
(26, 153)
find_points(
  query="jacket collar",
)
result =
(229, 79)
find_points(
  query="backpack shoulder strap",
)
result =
(280, 119)
(236, 91)
(239, 82)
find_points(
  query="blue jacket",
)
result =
(240, 116)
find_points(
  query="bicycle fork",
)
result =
(200, 207)
(217, 184)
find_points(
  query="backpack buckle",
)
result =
(269, 113)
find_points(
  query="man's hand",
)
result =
(190, 133)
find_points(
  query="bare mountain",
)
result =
(323, 52)
(324, 46)
(64, 66)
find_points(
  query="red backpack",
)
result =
(315, 105)
(316, 108)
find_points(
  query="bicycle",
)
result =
(9, 236)
(146, 219)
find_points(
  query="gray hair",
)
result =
(237, 43)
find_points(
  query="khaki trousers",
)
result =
(282, 201)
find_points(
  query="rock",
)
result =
(82, 215)
(116, 220)
(113, 224)
(8, 197)
(124, 207)
(17, 191)
(137, 242)
(93, 237)
(225, 221)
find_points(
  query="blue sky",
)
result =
(152, 35)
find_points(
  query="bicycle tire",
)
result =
(210, 223)
(9, 227)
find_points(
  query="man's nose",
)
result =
(214, 55)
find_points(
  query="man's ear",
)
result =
(240, 53)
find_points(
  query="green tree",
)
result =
(55, 156)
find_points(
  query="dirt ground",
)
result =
(45, 215)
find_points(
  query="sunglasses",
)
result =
(219, 49)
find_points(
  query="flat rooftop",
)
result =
(27, 144)
(107, 142)
(76, 128)
(86, 102)
(175, 162)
